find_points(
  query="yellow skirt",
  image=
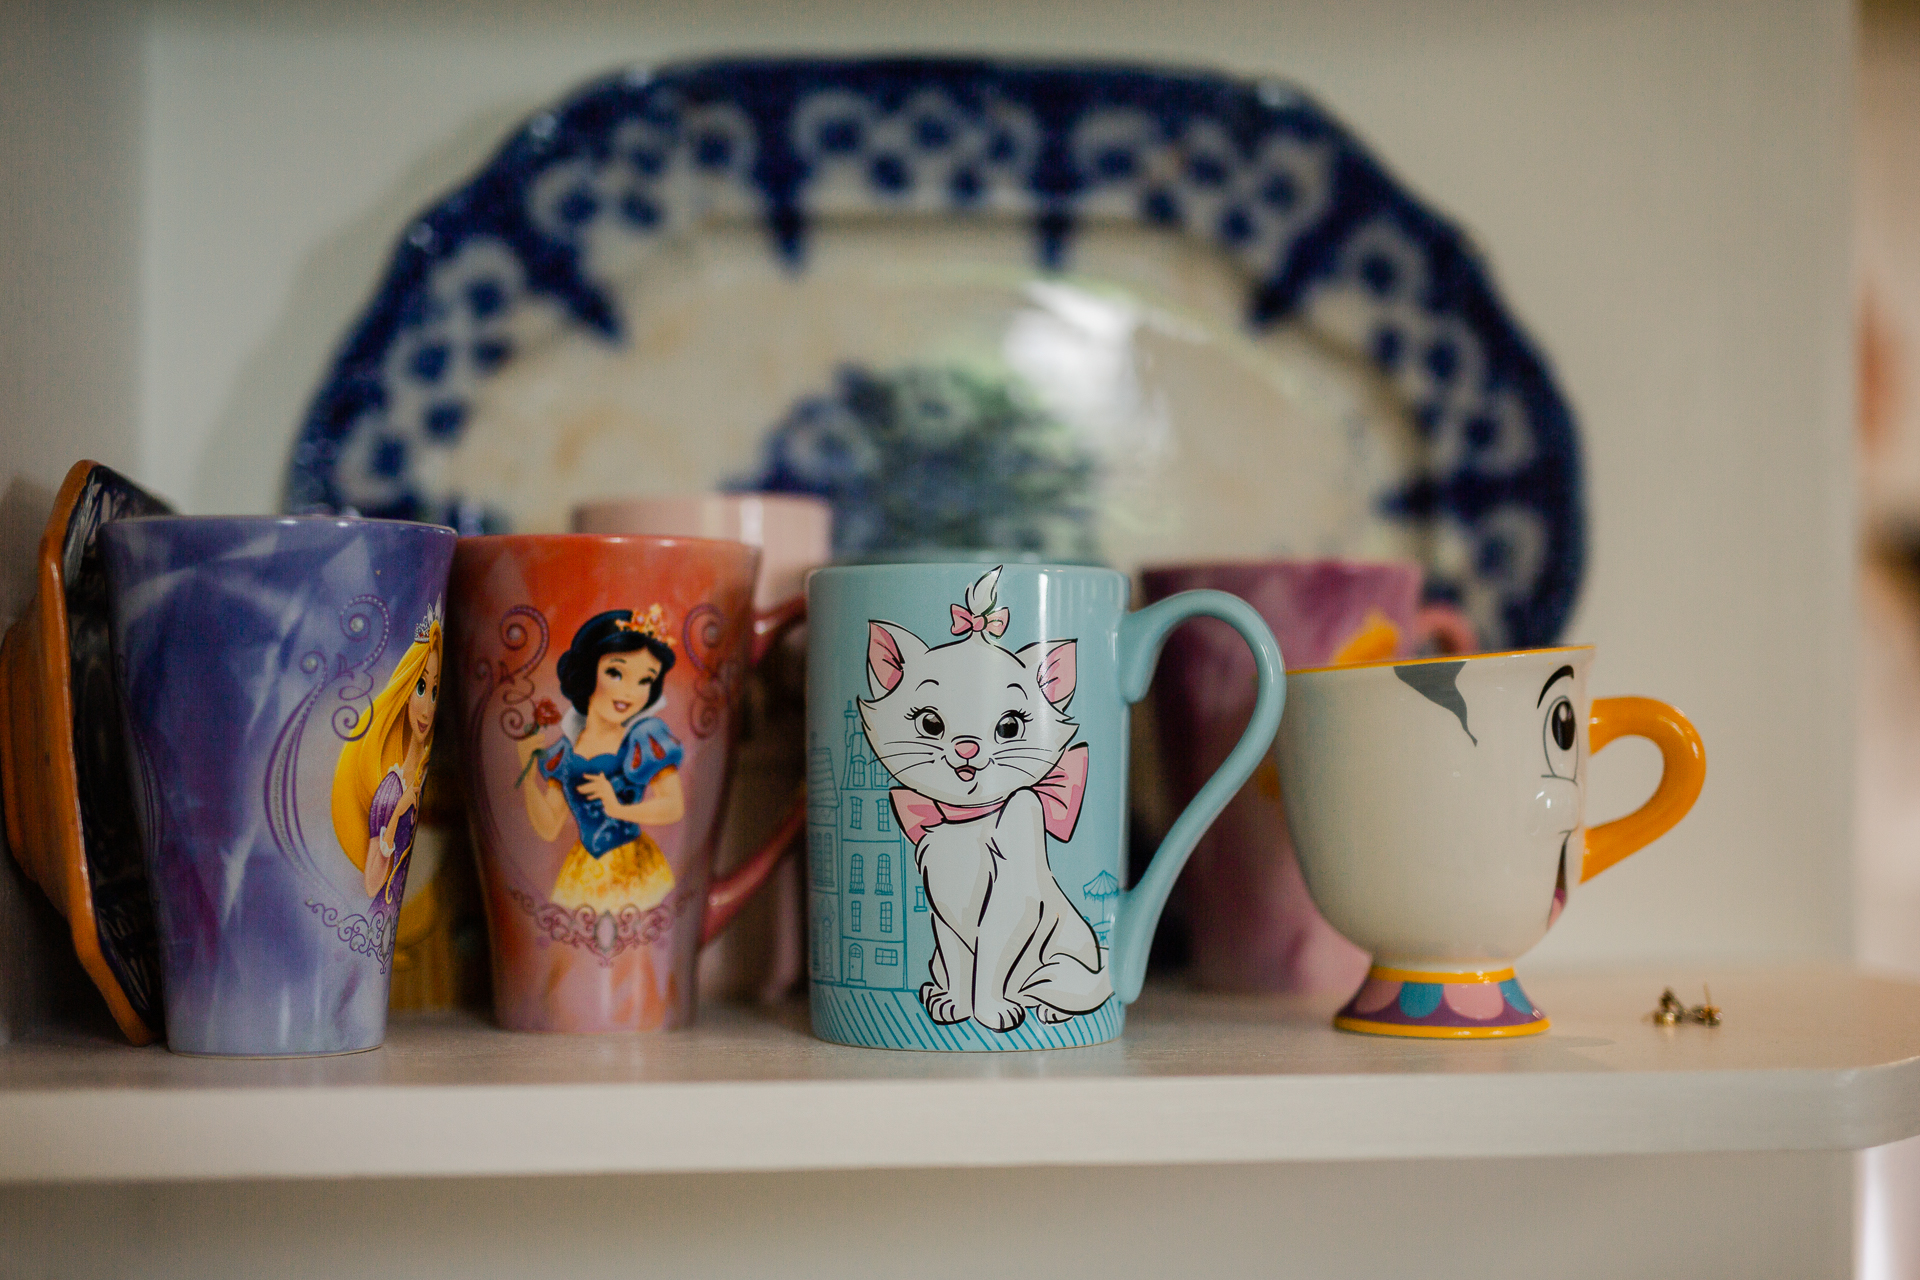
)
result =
(635, 874)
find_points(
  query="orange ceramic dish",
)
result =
(62, 724)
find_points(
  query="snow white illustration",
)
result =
(376, 783)
(615, 768)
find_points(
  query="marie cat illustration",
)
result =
(979, 737)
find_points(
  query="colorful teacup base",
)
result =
(1451, 1006)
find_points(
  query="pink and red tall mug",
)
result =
(763, 955)
(598, 681)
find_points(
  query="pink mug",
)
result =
(1252, 925)
(794, 532)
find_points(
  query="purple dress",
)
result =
(385, 798)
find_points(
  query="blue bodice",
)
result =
(647, 749)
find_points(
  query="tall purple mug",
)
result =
(1253, 926)
(278, 680)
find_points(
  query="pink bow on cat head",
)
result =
(967, 622)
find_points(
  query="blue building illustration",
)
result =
(1101, 893)
(823, 851)
(864, 891)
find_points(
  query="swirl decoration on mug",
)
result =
(370, 937)
(516, 687)
(357, 623)
(705, 640)
(516, 631)
(606, 933)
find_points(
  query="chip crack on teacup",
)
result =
(1435, 681)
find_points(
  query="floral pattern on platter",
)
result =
(1323, 233)
(935, 457)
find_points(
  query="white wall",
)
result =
(70, 77)
(1887, 191)
(1887, 872)
(1661, 188)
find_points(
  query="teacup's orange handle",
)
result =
(1683, 771)
(730, 892)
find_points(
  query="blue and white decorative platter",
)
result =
(1095, 312)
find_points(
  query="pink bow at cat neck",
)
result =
(1060, 793)
(966, 622)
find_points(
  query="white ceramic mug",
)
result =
(763, 954)
(1438, 807)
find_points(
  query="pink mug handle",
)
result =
(1446, 629)
(730, 892)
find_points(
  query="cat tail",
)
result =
(1065, 984)
(982, 595)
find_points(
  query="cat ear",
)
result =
(1058, 673)
(1058, 670)
(888, 650)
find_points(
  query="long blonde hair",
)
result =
(379, 742)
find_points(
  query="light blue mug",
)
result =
(967, 799)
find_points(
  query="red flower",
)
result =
(545, 714)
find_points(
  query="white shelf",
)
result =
(1807, 1059)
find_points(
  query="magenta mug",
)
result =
(1251, 923)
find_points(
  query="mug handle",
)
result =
(1446, 629)
(730, 892)
(1142, 635)
(1683, 771)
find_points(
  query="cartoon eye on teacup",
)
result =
(1010, 727)
(1560, 733)
(1560, 737)
(929, 723)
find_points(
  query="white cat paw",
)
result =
(1047, 1013)
(999, 1015)
(941, 1006)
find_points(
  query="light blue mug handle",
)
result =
(1141, 636)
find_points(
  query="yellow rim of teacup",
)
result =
(1462, 978)
(1366, 1026)
(1442, 657)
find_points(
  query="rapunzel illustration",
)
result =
(376, 784)
(615, 768)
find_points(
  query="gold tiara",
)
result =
(651, 624)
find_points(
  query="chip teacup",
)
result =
(1438, 807)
